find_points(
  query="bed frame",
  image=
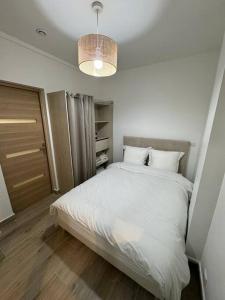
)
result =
(108, 252)
(160, 144)
(100, 246)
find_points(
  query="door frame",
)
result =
(46, 127)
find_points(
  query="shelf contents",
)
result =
(101, 159)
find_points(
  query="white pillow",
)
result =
(135, 155)
(165, 160)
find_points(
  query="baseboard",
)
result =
(196, 261)
(7, 219)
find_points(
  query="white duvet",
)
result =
(142, 212)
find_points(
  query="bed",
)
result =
(135, 217)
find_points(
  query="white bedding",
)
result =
(142, 212)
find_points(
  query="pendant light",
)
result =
(97, 53)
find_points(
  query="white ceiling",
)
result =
(147, 31)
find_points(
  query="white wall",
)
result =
(164, 100)
(5, 205)
(214, 253)
(211, 167)
(24, 64)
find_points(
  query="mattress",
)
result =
(135, 217)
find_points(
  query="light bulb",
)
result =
(98, 64)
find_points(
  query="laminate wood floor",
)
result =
(42, 262)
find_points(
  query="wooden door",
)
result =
(23, 155)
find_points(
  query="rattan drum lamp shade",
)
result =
(97, 54)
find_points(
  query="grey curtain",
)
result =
(82, 134)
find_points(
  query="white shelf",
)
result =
(101, 122)
(102, 138)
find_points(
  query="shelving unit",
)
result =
(104, 131)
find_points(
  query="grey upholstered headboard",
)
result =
(159, 144)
